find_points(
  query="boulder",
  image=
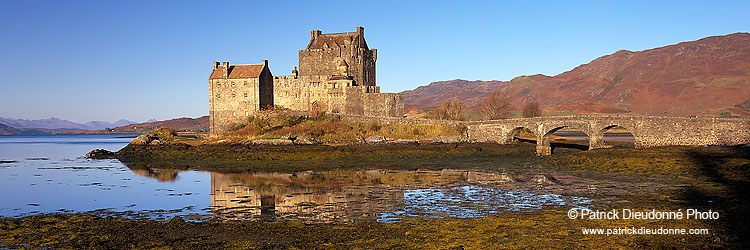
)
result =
(450, 139)
(141, 140)
(375, 139)
(304, 140)
(407, 141)
(164, 135)
(272, 142)
(101, 154)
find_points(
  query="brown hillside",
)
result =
(199, 124)
(471, 92)
(8, 130)
(707, 77)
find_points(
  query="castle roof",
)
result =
(336, 40)
(238, 71)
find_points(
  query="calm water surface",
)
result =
(46, 174)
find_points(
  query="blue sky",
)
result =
(137, 60)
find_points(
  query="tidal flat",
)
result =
(663, 179)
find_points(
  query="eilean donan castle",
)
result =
(336, 74)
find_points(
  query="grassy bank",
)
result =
(238, 158)
(278, 123)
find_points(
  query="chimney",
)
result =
(265, 63)
(216, 64)
(226, 71)
(360, 30)
(314, 34)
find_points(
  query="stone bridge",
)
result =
(648, 131)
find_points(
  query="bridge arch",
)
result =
(597, 138)
(544, 145)
(517, 131)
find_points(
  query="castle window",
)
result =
(232, 95)
(245, 95)
(245, 82)
(295, 85)
(218, 96)
(232, 83)
(286, 85)
(218, 84)
(247, 113)
(304, 85)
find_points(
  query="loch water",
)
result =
(48, 174)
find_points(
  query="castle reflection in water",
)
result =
(327, 196)
(333, 196)
(313, 196)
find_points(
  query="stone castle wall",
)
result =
(231, 102)
(383, 105)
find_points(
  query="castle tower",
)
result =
(326, 55)
(237, 92)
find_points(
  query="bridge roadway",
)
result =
(648, 131)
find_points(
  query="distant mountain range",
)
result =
(707, 77)
(57, 123)
(10, 126)
(185, 124)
